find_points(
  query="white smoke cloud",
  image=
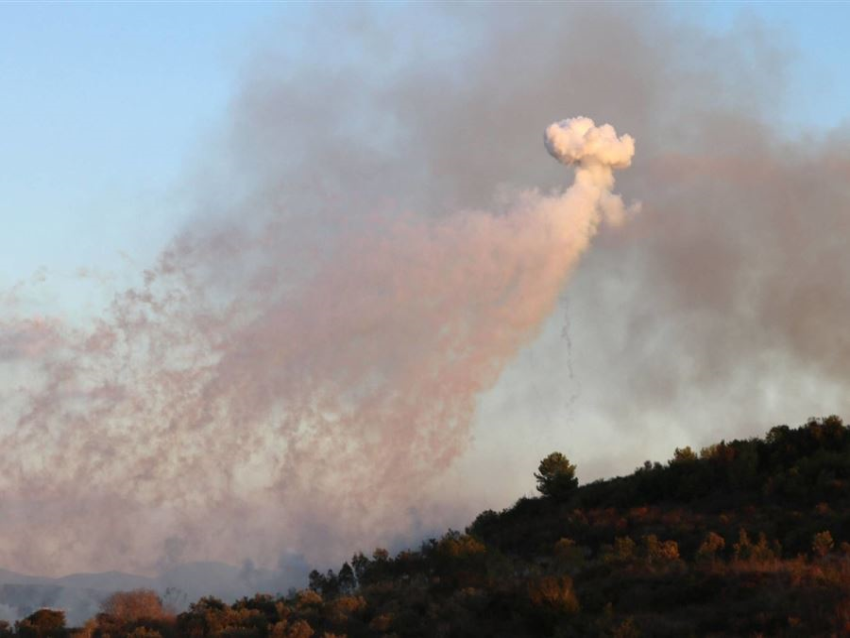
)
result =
(578, 140)
(597, 150)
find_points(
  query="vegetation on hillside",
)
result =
(746, 538)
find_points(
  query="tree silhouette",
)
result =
(44, 623)
(556, 477)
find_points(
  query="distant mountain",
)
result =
(214, 579)
(107, 581)
(81, 595)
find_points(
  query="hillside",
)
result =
(744, 538)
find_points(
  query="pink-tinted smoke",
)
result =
(283, 411)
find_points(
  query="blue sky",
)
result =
(817, 35)
(105, 106)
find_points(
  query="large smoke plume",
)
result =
(310, 353)
(251, 414)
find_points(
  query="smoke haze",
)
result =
(374, 245)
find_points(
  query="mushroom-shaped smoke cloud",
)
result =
(579, 141)
(596, 151)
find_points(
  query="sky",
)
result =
(107, 104)
(182, 183)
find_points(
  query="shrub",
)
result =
(624, 548)
(136, 605)
(709, 548)
(658, 552)
(554, 593)
(822, 544)
(568, 553)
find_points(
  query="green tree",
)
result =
(683, 456)
(556, 477)
(347, 580)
